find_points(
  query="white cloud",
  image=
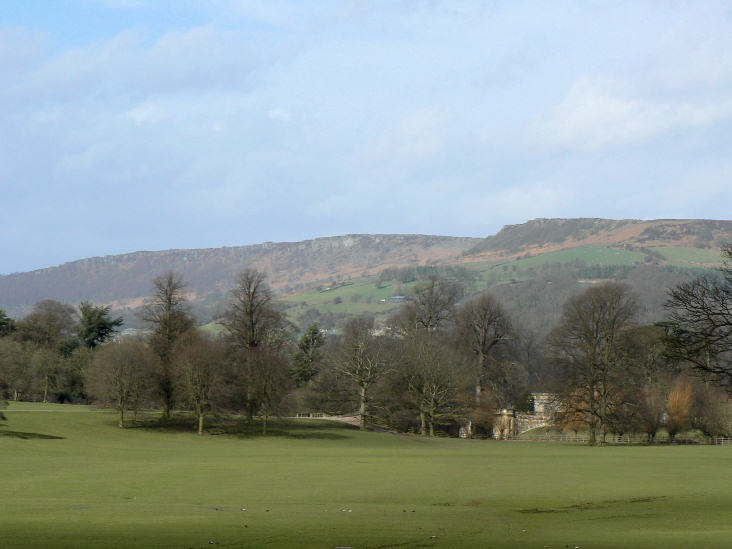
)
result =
(279, 115)
(598, 112)
(147, 112)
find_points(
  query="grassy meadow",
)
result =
(691, 257)
(73, 479)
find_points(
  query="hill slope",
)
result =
(544, 235)
(533, 267)
(124, 280)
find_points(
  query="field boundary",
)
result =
(584, 438)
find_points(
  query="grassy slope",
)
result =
(487, 274)
(591, 255)
(98, 486)
(362, 295)
(690, 257)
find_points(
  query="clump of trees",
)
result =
(445, 363)
(46, 355)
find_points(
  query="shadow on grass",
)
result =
(590, 506)
(240, 428)
(23, 435)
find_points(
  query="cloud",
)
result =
(279, 115)
(147, 112)
(679, 82)
(598, 113)
(20, 47)
(233, 122)
(198, 59)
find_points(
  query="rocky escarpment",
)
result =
(124, 279)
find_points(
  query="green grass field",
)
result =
(72, 479)
(361, 293)
(590, 255)
(691, 257)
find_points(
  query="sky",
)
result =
(132, 125)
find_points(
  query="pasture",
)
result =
(72, 479)
(691, 257)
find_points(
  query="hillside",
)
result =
(124, 280)
(533, 267)
(545, 235)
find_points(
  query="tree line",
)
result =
(444, 362)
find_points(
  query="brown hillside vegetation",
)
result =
(547, 235)
(124, 281)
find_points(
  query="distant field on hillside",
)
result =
(590, 255)
(352, 298)
(72, 479)
(691, 257)
(363, 295)
(587, 255)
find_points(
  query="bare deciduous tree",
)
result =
(49, 325)
(118, 375)
(482, 326)
(431, 305)
(45, 367)
(257, 333)
(252, 318)
(651, 410)
(360, 358)
(699, 327)
(712, 410)
(588, 348)
(15, 372)
(269, 380)
(678, 409)
(198, 361)
(168, 316)
(431, 372)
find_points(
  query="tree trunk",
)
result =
(250, 410)
(479, 370)
(121, 417)
(423, 423)
(45, 391)
(362, 409)
(593, 417)
(200, 422)
(432, 419)
(166, 390)
(264, 424)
